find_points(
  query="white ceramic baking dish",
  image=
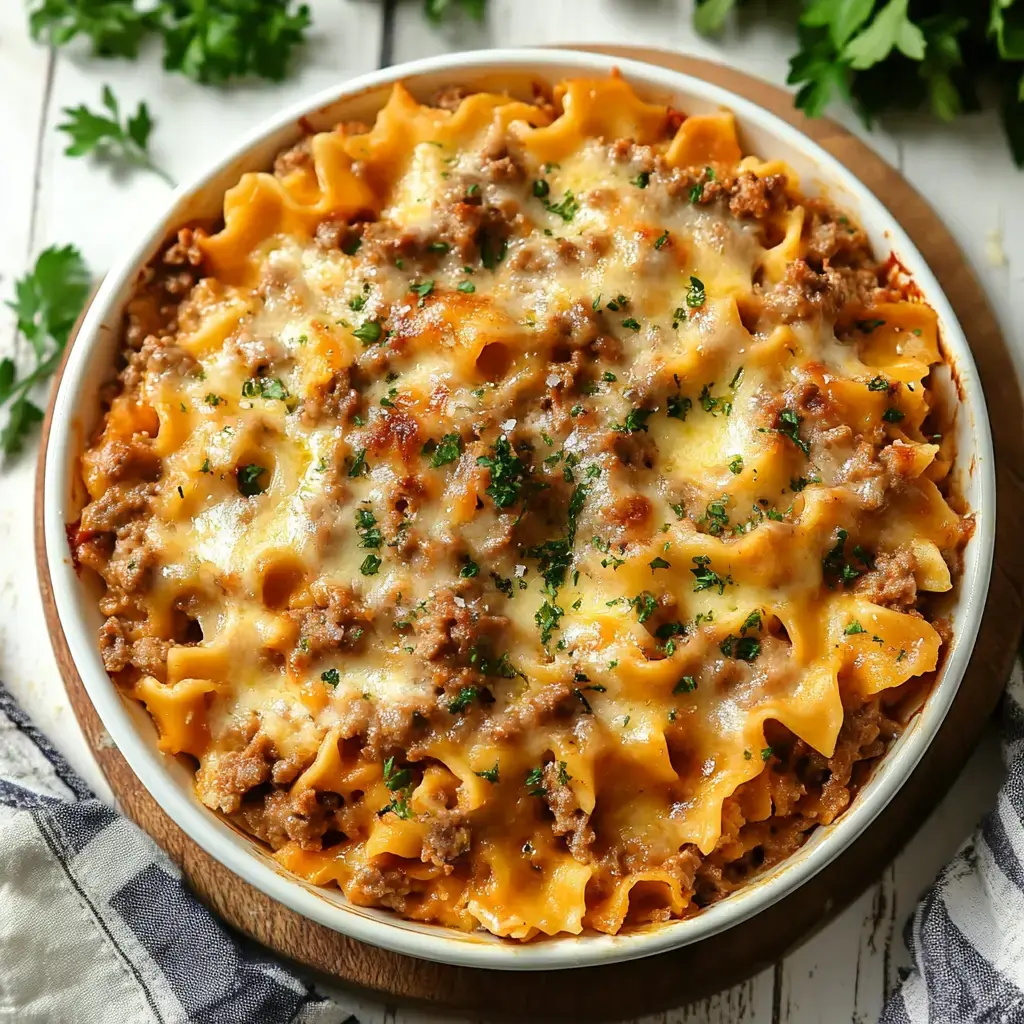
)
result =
(170, 783)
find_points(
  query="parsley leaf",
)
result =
(448, 449)
(114, 27)
(103, 135)
(787, 423)
(890, 28)
(435, 10)
(463, 699)
(47, 302)
(706, 578)
(248, 478)
(636, 420)
(264, 387)
(368, 332)
(566, 209)
(211, 41)
(214, 42)
(507, 471)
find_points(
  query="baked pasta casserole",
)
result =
(524, 514)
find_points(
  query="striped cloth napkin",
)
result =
(96, 924)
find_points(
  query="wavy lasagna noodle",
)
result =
(523, 512)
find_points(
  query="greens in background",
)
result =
(47, 302)
(952, 56)
(211, 41)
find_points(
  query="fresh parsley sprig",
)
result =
(885, 54)
(103, 135)
(210, 41)
(47, 302)
(435, 10)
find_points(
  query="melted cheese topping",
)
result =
(510, 513)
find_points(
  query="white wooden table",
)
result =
(844, 973)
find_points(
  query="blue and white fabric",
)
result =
(96, 923)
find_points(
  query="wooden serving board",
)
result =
(671, 979)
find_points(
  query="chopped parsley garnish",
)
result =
(490, 774)
(448, 449)
(646, 604)
(869, 325)
(507, 471)
(205, 467)
(878, 384)
(535, 782)
(642, 180)
(834, 564)
(578, 693)
(249, 480)
(632, 323)
(736, 464)
(659, 563)
(564, 777)
(697, 192)
(371, 563)
(659, 242)
(547, 618)
(716, 517)
(712, 404)
(358, 463)
(491, 253)
(264, 387)
(696, 296)
(705, 578)
(212, 399)
(466, 287)
(788, 423)
(422, 289)
(566, 209)
(853, 628)
(541, 189)
(685, 685)
(751, 622)
(331, 677)
(678, 510)
(554, 557)
(797, 484)
(442, 248)
(472, 190)
(892, 415)
(636, 419)
(609, 377)
(469, 570)
(366, 526)
(679, 406)
(503, 583)
(766, 753)
(743, 648)
(368, 332)
(393, 779)
(463, 699)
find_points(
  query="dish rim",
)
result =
(434, 942)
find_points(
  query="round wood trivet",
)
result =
(671, 979)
